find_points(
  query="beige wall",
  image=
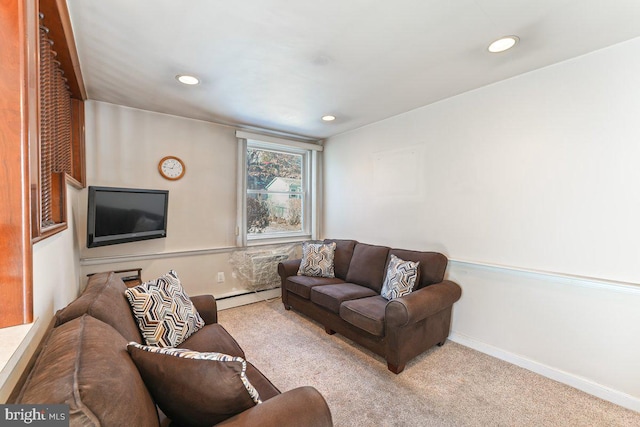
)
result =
(124, 146)
(534, 174)
(56, 282)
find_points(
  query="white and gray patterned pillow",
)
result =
(317, 259)
(164, 312)
(211, 356)
(400, 279)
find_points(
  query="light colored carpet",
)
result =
(451, 385)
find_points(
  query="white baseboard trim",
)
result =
(580, 383)
(248, 298)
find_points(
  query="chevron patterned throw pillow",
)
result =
(164, 312)
(400, 279)
(317, 259)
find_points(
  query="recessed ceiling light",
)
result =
(187, 79)
(503, 43)
(328, 118)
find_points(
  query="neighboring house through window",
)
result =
(277, 189)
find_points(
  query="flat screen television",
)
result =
(121, 215)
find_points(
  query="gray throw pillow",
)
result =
(317, 259)
(400, 279)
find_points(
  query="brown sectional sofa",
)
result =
(351, 304)
(84, 363)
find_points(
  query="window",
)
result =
(58, 159)
(278, 189)
(275, 191)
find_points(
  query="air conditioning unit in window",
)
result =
(258, 270)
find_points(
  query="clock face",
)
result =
(171, 168)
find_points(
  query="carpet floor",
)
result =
(451, 385)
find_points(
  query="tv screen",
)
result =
(121, 215)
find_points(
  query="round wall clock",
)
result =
(171, 167)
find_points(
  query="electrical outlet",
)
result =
(220, 276)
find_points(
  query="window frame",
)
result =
(310, 188)
(20, 101)
(56, 161)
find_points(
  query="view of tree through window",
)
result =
(275, 194)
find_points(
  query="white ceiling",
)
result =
(282, 64)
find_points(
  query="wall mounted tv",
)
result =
(121, 215)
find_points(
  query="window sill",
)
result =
(261, 241)
(49, 231)
(15, 340)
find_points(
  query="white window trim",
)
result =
(240, 134)
(311, 183)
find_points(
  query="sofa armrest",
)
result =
(207, 307)
(422, 303)
(303, 406)
(288, 268)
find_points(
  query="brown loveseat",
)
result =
(350, 303)
(85, 364)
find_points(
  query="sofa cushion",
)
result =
(302, 285)
(432, 265)
(342, 256)
(331, 296)
(165, 314)
(366, 314)
(193, 388)
(103, 298)
(213, 338)
(368, 266)
(85, 365)
(317, 260)
(400, 278)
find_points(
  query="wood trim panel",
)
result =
(17, 32)
(59, 194)
(35, 210)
